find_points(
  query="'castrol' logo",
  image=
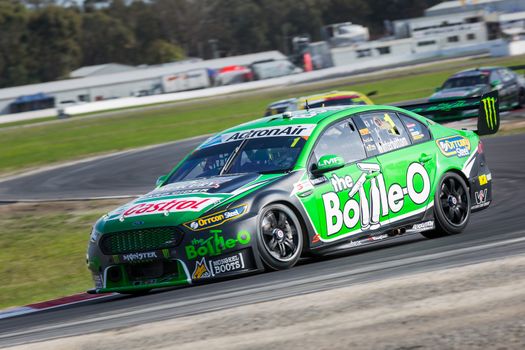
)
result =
(172, 205)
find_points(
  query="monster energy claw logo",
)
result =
(489, 104)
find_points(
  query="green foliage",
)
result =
(46, 39)
(13, 44)
(105, 39)
(163, 51)
(53, 42)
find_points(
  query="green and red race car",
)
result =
(261, 195)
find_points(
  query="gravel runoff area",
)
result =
(479, 306)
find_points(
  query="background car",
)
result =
(260, 195)
(478, 81)
(327, 99)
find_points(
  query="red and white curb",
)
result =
(52, 304)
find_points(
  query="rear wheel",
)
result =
(279, 237)
(451, 206)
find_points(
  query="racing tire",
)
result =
(451, 206)
(279, 237)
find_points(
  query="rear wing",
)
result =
(485, 108)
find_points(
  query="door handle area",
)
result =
(372, 175)
(424, 158)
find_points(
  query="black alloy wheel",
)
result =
(451, 206)
(280, 237)
(454, 201)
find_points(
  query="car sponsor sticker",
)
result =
(364, 131)
(227, 264)
(415, 131)
(454, 146)
(481, 196)
(194, 204)
(344, 215)
(201, 270)
(301, 130)
(189, 187)
(422, 226)
(216, 219)
(483, 180)
(215, 244)
(377, 238)
(302, 187)
(213, 267)
(139, 257)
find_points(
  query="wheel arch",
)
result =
(302, 222)
(261, 200)
(456, 171)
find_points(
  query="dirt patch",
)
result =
(472, 307)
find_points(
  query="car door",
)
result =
(340, 204)
(407, 157)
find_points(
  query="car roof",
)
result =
(311, 116)
(475, 71)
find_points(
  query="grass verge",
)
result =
(43, 249)
(39, 144)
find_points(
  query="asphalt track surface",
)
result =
(127, 173)
(492, 234)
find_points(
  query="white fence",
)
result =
(130, 102)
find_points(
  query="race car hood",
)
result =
(180, 202)
(446, 94)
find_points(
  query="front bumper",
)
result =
(201, 255)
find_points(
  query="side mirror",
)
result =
(372, 93)
(161, 180)
(327, 163)
(438, 89)
(495, 83)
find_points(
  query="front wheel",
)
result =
(279, 237)
(451, 206)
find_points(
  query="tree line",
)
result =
(43, 40)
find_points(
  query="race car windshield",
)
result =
(260, 155)
(267, 155)
(466, 81)
(205, 162)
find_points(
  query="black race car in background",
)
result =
(478, 81)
